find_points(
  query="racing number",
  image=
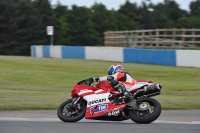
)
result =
(114, 113)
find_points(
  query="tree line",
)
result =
(23, 22)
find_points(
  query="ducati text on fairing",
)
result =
(97, 101)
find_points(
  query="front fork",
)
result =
(75, 102)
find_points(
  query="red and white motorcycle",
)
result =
(102, 102)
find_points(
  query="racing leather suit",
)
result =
(121, 82)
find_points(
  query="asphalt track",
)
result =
(173, 121)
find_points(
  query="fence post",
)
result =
(150, 38)
(157, 37)
(173, 38)
(105, 39)
(165, 33)
(143, 34)
(136, 36)
(193, 38)
(183, 38)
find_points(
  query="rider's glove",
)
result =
(91, 80)
(110, 78)
(96, 79)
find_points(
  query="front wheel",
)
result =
(148, 111)
(68, 112)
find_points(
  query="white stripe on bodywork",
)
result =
(100, 90)
(84, 91)
(138, 85)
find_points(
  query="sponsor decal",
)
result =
(97, 101)
(114, 113)
(98, 108)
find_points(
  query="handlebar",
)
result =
(86, 82)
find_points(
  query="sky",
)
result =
(115, 4)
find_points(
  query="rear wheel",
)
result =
(67, 112)
(148, 111)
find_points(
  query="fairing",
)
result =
(98, 103)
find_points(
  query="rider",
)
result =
(120, 80)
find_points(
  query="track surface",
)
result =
(47, 122)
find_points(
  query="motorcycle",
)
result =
(102, 102)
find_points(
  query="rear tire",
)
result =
(147, 118)
(62, 113)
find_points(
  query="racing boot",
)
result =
(132, 102)
(127, 95)
(121, 88)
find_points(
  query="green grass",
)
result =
(44, 83)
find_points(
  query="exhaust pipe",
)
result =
(153, 94)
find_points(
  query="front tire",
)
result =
(66, 114)
(149, 111)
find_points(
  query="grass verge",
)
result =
(44, 83)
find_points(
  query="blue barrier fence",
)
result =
(77, 52)
(33, 51)
(146, 56)
(46, 51)
(134, 55)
